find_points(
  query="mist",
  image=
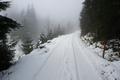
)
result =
(36, 15)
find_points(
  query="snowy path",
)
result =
(66, 61)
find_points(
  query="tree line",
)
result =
(6, 25)
(11, 28)
(101, 19)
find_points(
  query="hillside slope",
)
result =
(65, 58)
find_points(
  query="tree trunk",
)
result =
(104, 48)
(119, 54)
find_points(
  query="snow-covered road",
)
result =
(66, 60)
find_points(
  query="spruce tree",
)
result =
(6, 24)
(27, 46)
(101, 18)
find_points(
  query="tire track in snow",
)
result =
(69, 68)
(85, 63)
(44, 63)
(75, 61)
(65, 71)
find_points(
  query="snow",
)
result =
(18, 51)
(64, 58)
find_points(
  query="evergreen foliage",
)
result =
(50, 35)
(101, 18)
(27, 46)
(4, 5)
(6, 24)
(5, 57)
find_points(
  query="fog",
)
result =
(41, 13)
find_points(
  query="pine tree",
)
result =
(6, 24)
(101, 18)
(27, 46)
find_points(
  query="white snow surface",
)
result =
(65, 58)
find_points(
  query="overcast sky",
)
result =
(58, 10)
